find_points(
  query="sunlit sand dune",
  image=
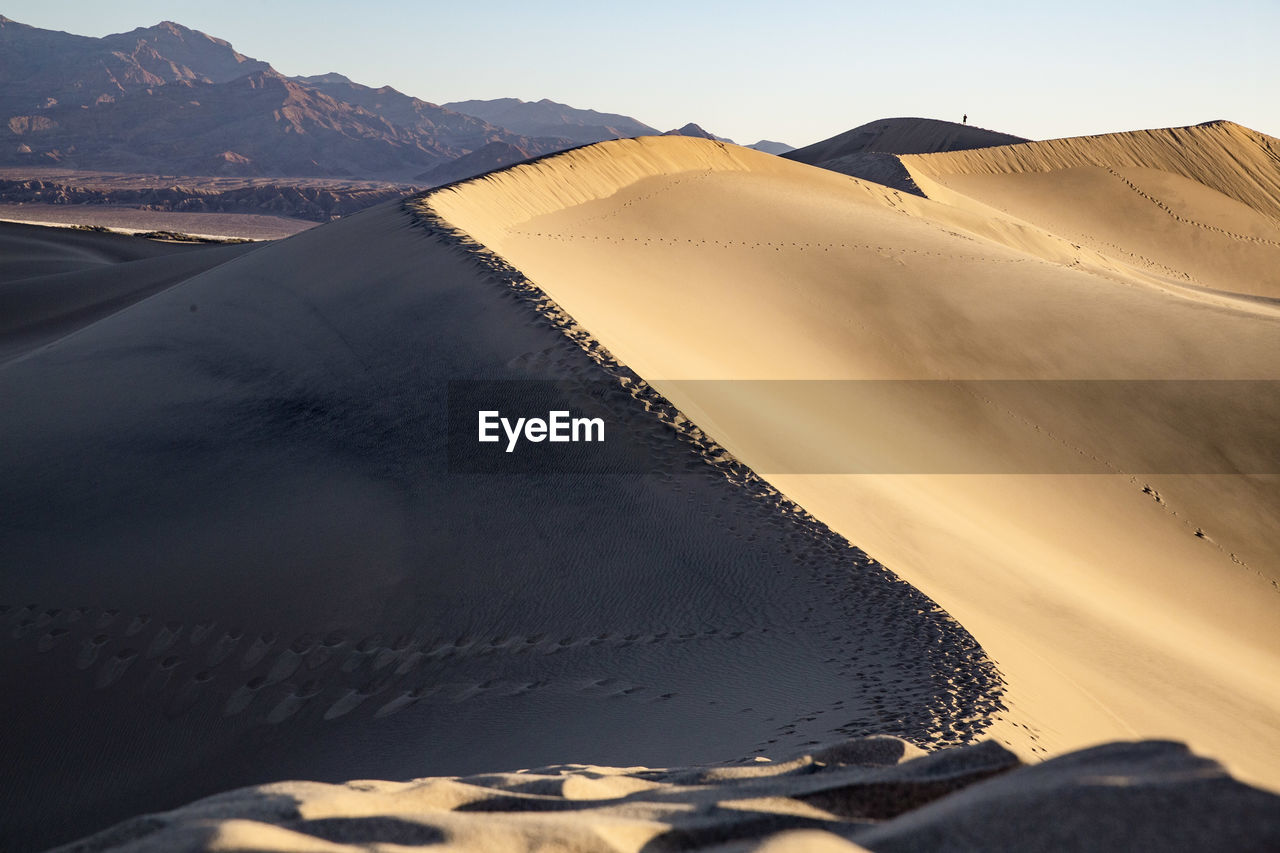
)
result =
(1132, 597)
(1193, 205)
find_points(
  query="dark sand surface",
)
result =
(54, 281)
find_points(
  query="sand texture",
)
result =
(876, 794)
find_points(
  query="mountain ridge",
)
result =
(551, 118)
(170, 99)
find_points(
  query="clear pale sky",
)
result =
(794, 71)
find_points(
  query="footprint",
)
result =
(164, 639)
(243, 697)
(293, 703)
(51, 639)
(115, 667)
(258, 650)
(348, 703)
(89, 651)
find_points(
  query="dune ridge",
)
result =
(873, 150)
(696, 261)
(1234, 160)
(1197, 208)
(901, 136)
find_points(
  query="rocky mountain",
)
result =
(548, 118)
(169, 99)
(870, 151)
(450, 129)
(45, 69)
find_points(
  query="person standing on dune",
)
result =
(965, 120)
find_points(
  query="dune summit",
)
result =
(871, 151)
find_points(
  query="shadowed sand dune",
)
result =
(871, 151)
(902, 136)
(1140, 600)
(54, 281)
(236, 552)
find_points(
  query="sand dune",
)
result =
(54, 281)
(239, 550)
(244, 544)
(871, 151)
(1198, 206)
(1234, 160)
(902, 136)
(1139, 601)
(877, 792)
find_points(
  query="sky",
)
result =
(796, 71)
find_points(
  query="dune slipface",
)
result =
(235, 552)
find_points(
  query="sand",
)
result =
(873, 151)
(901, 136)
(55, 281)
(872, 794)
(247, 548)
(1138, 602)
(239, 551)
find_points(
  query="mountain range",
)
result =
(171, 100)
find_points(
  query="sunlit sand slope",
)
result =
(1138, 599)
(1195, 205)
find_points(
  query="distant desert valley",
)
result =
(934, 502)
